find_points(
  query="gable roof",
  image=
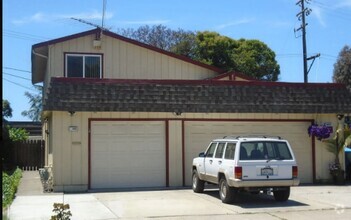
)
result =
(67, 94)
(40, 51)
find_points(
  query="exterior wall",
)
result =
(122, 60)
(71, 153)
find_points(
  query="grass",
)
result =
(10, 182)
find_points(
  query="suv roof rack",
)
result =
(253, 136)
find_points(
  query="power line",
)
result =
(16, 76)
(18, 84)
(11, 68)
(332, 9)
(21, 35)
(288, 55)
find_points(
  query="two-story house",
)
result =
(119, 113)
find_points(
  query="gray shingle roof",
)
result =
(67, 94)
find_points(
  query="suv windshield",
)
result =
(264, 150)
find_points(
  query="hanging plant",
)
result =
(320, 131)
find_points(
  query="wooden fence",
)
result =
(29, 155)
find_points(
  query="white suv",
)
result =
(254, 164)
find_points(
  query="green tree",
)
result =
(177, 41)
(342, 67)
(6, 109)
(251, 57)
(35, 101)
(17, 134)
(254, 58)
(216, 50)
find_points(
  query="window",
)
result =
(211, 150)
(283, 151)
(83, 65)
(265, 150)
(219, 151)
(229, 151)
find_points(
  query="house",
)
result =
(119, 113)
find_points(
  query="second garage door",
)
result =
(127, 154)
(198, 135)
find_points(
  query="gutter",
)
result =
(38, 54)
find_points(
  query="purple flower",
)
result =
(320, 132)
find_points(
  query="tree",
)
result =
(342, 67)
(17, 134)
(254, 58)
(177, 41)
(35, 101)
(216, 50)
(6, 109)
(251, 57)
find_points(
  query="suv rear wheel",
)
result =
(226, 193)
(282, 195)
(198, 185)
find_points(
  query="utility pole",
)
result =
(302, 17)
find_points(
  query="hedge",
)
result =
(10, 182)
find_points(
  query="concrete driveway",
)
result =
(306, 202)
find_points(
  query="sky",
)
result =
(27, 22)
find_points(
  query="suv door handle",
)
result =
(211, 161)
(219, 162)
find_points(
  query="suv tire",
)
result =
(226, 193)
(198, 185)
(282, 195)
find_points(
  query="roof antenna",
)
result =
(101, 27)
(89, 23)
(103, 12)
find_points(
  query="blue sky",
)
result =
(27, 22)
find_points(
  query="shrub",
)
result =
(10, 182)
(62, 212)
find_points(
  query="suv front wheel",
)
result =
(226, 193)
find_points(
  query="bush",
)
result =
(10, 182)
(62, 212)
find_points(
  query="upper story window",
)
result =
(83, 65)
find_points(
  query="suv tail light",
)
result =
(238, 172)
(294, 171)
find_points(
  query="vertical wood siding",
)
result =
(124, 60)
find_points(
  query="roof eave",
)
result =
(39, 61)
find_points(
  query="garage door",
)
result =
(127, 154)
(198, 134)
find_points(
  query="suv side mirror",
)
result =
(202, 154)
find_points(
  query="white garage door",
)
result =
(198, 134)
(127, 154)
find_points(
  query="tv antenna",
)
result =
(89, 23)
(104, 2)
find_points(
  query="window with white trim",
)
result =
(83, 65)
